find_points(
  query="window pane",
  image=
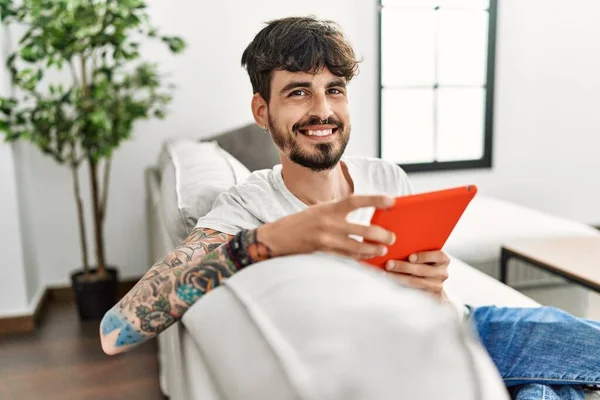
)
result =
(474, 4)
(468, 4)
(410, 3)
(461, 116)
(408, 47)
(463, 47)
(407, 125)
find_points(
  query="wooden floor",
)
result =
(63, 360)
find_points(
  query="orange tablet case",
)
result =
(421, 222)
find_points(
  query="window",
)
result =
(436, 83)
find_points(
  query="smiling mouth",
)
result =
(318, 132)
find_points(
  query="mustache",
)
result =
(317, 121)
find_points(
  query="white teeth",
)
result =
(325, 132)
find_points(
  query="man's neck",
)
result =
(317, 187)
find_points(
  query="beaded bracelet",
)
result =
(245, 249)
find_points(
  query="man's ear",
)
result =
(260, 110)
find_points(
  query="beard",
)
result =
(322, 156)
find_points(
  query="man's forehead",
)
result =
(281, 78)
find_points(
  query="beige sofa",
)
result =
(267, 335)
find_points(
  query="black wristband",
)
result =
(245, 249)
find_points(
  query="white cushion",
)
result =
(324, 327)
(488, 223)
(192, 176)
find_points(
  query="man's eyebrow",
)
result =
(337, 82)
(295, 84)
(307, 84)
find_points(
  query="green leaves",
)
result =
(27, 79)
(111, 87)
(176, 44)
(6, 10)
(7, 105)
(31, 53)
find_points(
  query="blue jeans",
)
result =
(541, 353)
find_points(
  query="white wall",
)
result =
(24, 180)
(13, 288)
(547, 137)
(546, 82)
(14, 297)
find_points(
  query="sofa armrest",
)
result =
(324, 327)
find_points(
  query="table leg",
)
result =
(504, 257)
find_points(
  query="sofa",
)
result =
(307, 327)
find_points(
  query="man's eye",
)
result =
(335, 91)
(298, 93)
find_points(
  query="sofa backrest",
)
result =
(250, 145)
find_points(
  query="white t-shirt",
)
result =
(263, 197)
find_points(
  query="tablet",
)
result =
(421, 222)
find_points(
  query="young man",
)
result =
(318, 200)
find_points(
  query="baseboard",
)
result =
(28, 323)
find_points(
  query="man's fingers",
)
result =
(419, 270)
(417, 282)
(359, 250)
(348, 254)
(372, 233)
(351, 203)
(429, 257)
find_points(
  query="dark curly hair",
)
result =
(298, 44)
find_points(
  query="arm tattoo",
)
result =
(165, 293)
(197, 245)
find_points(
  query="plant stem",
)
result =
(74, 73)
(99, 240)
(84, 82)
(81, 218)
(105, 189)
(94, 64)
(96, 206)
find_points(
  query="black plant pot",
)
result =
(95, 298)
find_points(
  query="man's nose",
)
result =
(320, 107)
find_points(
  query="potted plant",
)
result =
(82, 113)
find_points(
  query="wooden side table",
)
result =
(575, 258)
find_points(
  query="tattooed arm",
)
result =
(201, 263)
(174, 284)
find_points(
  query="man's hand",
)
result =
(324, 228)
(427, 271)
